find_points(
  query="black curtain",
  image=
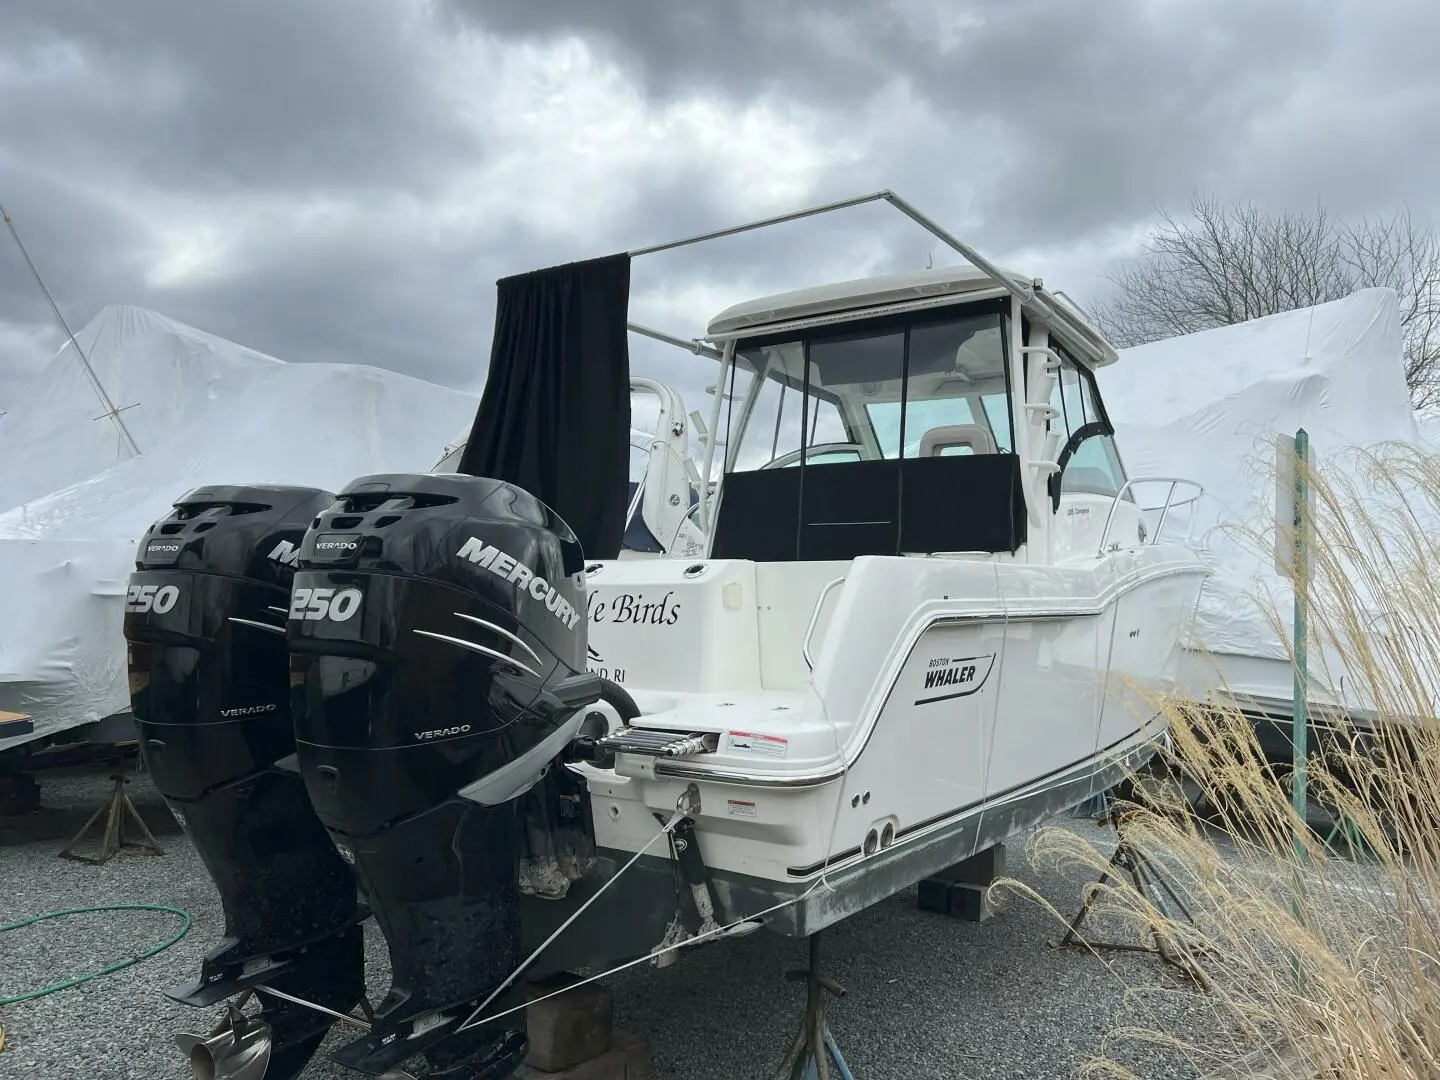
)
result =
(555, 415)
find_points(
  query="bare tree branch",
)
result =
(1227, 264)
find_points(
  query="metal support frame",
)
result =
(1089, 345)
(814, 1050)
(1034, 306)
(699, 348)
(113, 839)
(1148, 881)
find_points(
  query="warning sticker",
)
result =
(748, 742)
(740, 808)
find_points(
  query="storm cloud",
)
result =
(345, 180)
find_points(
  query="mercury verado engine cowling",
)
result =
(210, 692)
(438, 640)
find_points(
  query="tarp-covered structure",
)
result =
(157, 373)
(204, 411)
(1209, 406)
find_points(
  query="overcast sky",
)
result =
(344, 180)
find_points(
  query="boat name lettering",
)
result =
(508, 568)
(632, 609)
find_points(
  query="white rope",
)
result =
(470, 1021)
(667, 828)
(822, 880)
(687, 943)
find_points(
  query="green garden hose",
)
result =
(117, 966)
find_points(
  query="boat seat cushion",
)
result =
(939, 439)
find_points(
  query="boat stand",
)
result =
(814, 1050)
(113, 839)
(1150, 883)
(1357, 848)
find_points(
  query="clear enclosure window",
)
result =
(771, 416)
(939, 386)
(866, 373)
(1094, 466)
(956, 399)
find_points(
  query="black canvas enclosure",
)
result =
(554, 419)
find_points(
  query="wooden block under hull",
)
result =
(627, 1059)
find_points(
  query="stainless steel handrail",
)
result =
(815, 618)
(1164, 508)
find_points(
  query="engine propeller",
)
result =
(238, 1048)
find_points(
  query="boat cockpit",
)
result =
(892, 416)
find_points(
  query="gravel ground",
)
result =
(928, 997)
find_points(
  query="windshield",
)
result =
(934, 388)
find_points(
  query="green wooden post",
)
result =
(1299, 709)
(1299, 563)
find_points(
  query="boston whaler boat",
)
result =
(926, 615)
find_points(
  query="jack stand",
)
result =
(1149, 883)
(113, 839)
(808, 1054)
(1356, 846)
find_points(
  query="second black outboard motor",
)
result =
(438, 639)
(210, 692)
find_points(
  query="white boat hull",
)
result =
(928, 730)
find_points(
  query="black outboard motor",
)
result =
(438, 640)
(210, 692)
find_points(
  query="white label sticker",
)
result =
(749, 742)
(740, 808)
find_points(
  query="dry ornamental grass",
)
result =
(1321, 960)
